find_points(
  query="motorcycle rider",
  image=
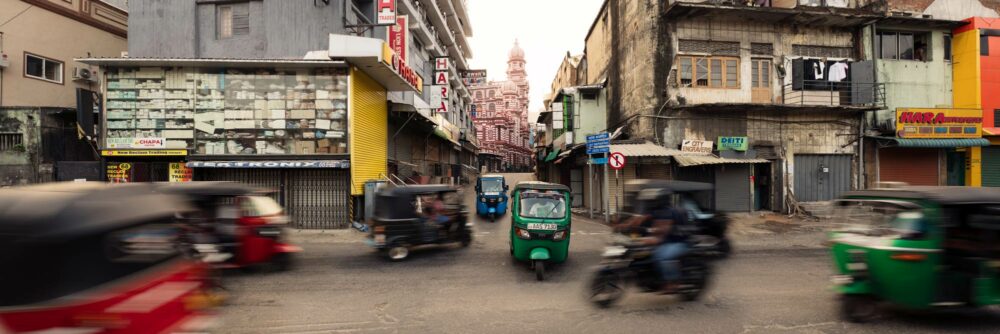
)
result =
(665, 228)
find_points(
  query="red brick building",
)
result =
(501, 115)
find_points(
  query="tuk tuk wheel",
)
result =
(282, 262)
(397, 253)
(858, 308)
(539, 270)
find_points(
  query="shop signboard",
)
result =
(143, 153)
(180, 172)
(391, 59)
(385, 12)
(271, 164)
(732, 143)
(397, 36)
(473, 77)
(939, 123)
(147, 143)
(441, 78)
(119, 172)
(696, 146)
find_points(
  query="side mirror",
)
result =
(506, 187)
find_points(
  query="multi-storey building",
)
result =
(42, 87)
(231, 90)
(501, 119)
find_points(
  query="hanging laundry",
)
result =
(837, 72)
(818, 69)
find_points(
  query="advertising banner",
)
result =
(473, 77)
(696, 146)
(397, 36)
(119, 172)
(179, 172)
(385, 12)
(732, 143)
(939, 123)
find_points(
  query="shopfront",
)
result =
(933, 147)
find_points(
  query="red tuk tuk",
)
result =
(240, 221)
(97, 258)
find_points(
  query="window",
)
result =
(43, 68)
(479, 94)
(903, 46)
(715, 72)
(760, 73)
(233, 20)
(493, 107)
(10, 141)
(947, 47)
(493, 93)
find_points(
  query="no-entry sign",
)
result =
(616, 161)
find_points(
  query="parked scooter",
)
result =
(628, 261)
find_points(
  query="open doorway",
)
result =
(762, 182)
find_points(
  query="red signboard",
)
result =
(385, 11)
(397, 36)
(616, 161)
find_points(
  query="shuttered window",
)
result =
(714, 72)
(233, 20)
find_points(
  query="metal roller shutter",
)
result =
(369, 127)
(654, 171)
(732, 187)
(915, 166)
(318, 198)
(991, 166)
(821, 177)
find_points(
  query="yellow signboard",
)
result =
(180, 172)
(939, 123)
(143, 153)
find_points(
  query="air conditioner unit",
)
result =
(83, 74)
(4, 63)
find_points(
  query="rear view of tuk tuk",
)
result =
(491, 196)
(405, 218)
(97, 258)
(917, 248)
(540, 224)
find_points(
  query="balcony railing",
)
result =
(834, 94)
(783, 3)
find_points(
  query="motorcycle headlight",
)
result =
(559, 235)
(522, 233)
(614, 251)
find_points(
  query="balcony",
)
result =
(834, 94)
(830, 13)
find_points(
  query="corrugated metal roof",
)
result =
(646, 150)
(696, 160)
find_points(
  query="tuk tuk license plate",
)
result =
(545, 227)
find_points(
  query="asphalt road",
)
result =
(341, 286)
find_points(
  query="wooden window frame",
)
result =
(62, 68)
(770, 78)
(723, 81)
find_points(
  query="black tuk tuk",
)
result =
(414, 215)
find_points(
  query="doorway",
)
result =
(762, 187)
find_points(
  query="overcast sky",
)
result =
(546, 29)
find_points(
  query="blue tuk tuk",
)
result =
(491, 196)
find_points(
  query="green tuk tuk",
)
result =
(918, 248)
(540, 224)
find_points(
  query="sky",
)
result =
(545, 29)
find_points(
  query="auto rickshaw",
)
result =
(240, 221)
(689, 196)
(491, 196)
(409, 216)
(98, 258)
(540, 224)
(917, 248)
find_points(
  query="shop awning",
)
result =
(697, 160)
(933, 143)
(646, 150)
(991, 131)
(551, 156)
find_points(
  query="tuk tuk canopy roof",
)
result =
(71, 209)
(418, 189)
(208, 188)
(673, 186)
(491, 176)
(538, 185)
(942, 195)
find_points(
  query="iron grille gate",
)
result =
(313, 198)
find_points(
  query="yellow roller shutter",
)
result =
(369, 120)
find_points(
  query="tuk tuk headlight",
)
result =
(503, 199)
(522, 233)
(482, 199)
(559, 235)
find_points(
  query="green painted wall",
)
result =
(915, 84)
(593, 116)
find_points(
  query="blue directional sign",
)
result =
(598, 143)
(596, 150)
(598, 161)
(599, 136)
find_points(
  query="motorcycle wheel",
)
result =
(699, 283)
(606, 289)
(540, 270)
(725, 248)
(282, 262)
(858, 308)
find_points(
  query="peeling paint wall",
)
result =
(18, 165)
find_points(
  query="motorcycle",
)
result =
(628, 261)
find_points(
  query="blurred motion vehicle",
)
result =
(415, 215)
(491, 196)
(684, 195)
(540, 224)
(917, 248)
(97, 258)
(630, 259)
(237, 221)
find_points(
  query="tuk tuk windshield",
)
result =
(875, 218)
(491, 186)
(542, 204)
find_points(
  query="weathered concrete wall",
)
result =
(20, 164)
(598, 46)
(915, 84)
(638, 35)
(948, 9)
(809, 132)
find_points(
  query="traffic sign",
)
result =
(598, 161)
(599, 136)
(616, 161)
(596, 150)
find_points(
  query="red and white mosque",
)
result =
(501, 117)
